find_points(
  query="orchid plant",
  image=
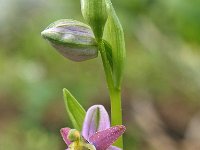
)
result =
(78, 41)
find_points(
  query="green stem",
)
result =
(116, 112)
(115, 93)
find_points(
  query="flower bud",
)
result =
(73, 39)
(95, 13)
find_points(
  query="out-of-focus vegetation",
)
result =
(161, 84)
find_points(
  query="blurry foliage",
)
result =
(163, 43)
(23, 139)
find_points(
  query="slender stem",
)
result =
(116, 112)
(115, 93)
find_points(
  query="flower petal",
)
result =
(96, 119)
(113, 148)
(103, 139)
(64, 132)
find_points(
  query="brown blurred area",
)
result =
(161, 85)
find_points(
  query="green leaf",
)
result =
(114, 35)
(75, 111)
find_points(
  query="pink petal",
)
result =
(64, 132)
(96, 119)
(103, 139)
(113, 148)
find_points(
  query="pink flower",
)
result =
(96, 131)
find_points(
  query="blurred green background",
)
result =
(161, 88)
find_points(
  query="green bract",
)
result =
(75, 111)
(73, 39)
(95, 13)
(114, 35)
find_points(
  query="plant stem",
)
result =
(116, 112)
(115, 93)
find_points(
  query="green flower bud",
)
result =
(73, 39)
(95, 13)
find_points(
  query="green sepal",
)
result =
(114, 35)
(75, 111)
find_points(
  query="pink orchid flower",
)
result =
(96, 131)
